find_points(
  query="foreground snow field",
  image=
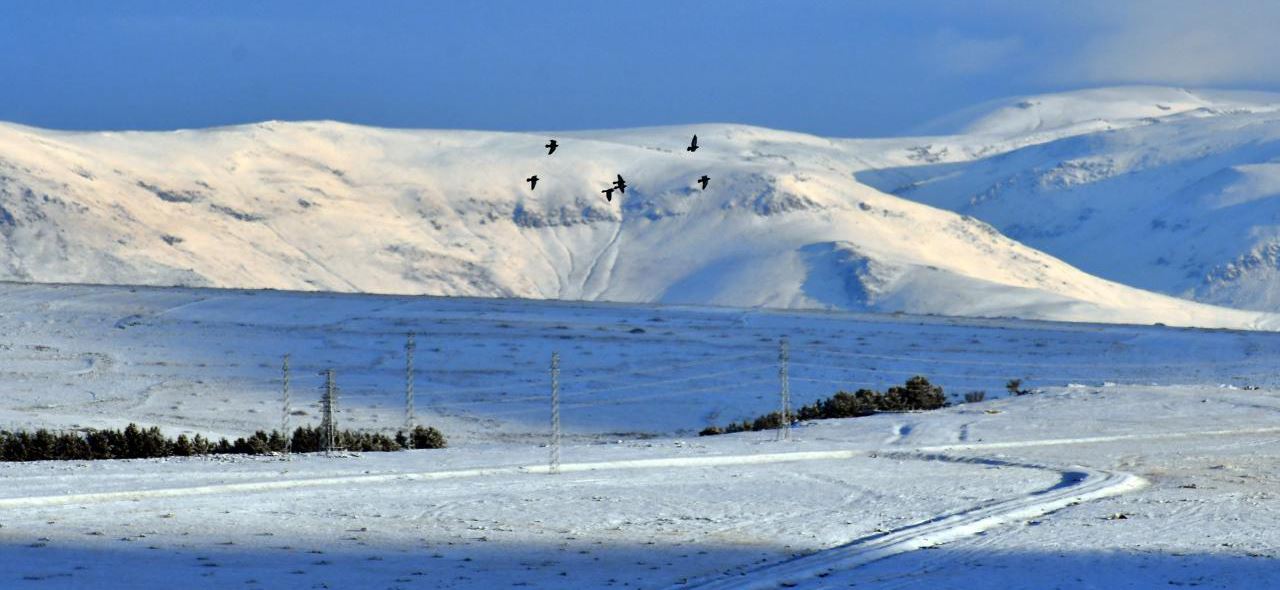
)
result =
(1144, 463)
(1173, 485)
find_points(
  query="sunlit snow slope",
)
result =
(329, 206)
(1164, 189)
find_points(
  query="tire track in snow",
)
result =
(366, 479)
(1078, 485)
(1048, 442)
(757, 523)
(669, 462)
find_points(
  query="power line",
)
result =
(329, 408)
(892, 371)
(936, 360)
(668, 368)
(736, 370)
(409, 347)
(784, 391)
(639, 398)
(555, 413)
(286, 409)
(971, 376)
(835, 382)
(670, 394)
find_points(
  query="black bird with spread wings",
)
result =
(533, 181)
(608, 194)
(551, 147)
(704, 180)
(693, 147)
(620, 184)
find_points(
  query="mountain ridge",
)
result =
(340, 207)
(1184, 204)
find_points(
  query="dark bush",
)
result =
(916, 394)
(768, 421)
(428, 438)
(864, 402)
(306, 440)
(136, 443)
(182, 446)
(1015, 387)
(200, 445)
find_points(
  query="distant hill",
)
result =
(1172, 191)
(336, 207)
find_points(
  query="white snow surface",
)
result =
(335, 207)
(1091, 109)
(1172, 191)
(1147, 460)
(180, 359)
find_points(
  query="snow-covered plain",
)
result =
(1144, 462)
(208, 360)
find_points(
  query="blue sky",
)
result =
(849, 68)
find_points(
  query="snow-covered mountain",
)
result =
(330, 206)
(1092, 110)
(1168, 190)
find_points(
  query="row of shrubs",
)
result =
(138, 443)
(916, 394)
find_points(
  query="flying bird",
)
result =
(704, 180)
(693, 147)
(608, 194)
(533, 181)
(551, 147)
(620, 184)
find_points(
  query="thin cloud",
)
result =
(960, 55)
(1180, 42)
